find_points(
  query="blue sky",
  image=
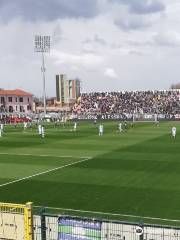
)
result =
(110, 45)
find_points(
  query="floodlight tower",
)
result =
(42, 45)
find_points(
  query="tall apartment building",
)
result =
(67, 91)
(15, 101)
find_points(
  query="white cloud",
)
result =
(86, 59)
(169, 38)
(110, 72)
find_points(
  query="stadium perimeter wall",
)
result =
(75, 228)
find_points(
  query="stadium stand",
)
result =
(160, 102)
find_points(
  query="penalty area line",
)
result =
(44, 172)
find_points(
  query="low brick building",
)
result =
(16, 101)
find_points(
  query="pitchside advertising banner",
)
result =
(82, 229)
(158, 233)
(78, 229)
(116, 231)
(122, 117)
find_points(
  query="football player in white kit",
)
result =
(25, 126)
(75, 126)
(120, 127)
(173, 132)
(42, 131)
(39, 129)
(101, 129)
(2, 127)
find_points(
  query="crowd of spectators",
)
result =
(160, 102)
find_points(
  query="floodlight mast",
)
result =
(42, 44)
(44, 82)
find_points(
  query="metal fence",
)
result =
(63, 227)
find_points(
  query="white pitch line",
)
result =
(111, 214)
(41, 155)
(47, 171)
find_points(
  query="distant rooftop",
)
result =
(16, 92)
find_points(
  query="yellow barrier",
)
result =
(16, 221)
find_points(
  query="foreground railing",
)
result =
(22, 222)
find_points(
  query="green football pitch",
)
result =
(133, 173)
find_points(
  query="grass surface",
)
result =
(136, 173)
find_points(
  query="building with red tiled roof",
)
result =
(15, 101)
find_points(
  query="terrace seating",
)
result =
(161, 102)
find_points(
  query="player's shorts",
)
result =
(173, 134)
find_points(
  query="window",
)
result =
(9, 99)
(28, 99)
(16, 99)
(28, 107)
(2, 100)
(21, 109)
(21, 99)
(10, 108)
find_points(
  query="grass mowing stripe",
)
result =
(44, 172)
(42, 155)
